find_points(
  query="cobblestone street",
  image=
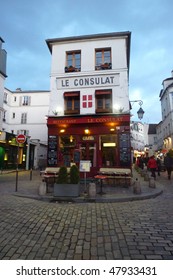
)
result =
(34, 229)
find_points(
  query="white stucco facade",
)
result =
(25, 112)
(3, 56)
(87, 80)
(165, 129)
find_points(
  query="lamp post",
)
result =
(140, 112)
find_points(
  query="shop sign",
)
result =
(88, 81)
(62, 120)
(88, 138)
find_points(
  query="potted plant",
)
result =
(67, 185)
(74, 175)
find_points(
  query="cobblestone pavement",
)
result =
(33, 229)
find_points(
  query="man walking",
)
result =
(168, 162)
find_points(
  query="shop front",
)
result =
(102, 140)
(10, 150)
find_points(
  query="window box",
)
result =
(106, 66)
(71, 69)
(71, 112)
(103, 110)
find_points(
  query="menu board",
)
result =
(52, 150)
(125, 151)
(85, 166)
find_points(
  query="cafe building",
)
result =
(89, 112)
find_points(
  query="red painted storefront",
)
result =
(104, 140)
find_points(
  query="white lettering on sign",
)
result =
(89, 81)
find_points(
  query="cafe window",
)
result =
(73, 61)
(67, 145)
(103, 100)
(71, 103)
(108, 150)
(103, 59)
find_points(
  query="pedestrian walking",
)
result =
(152, 166)
(168, 162)
(158, 166)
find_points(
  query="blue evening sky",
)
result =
(25, 25)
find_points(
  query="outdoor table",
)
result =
(101, 178)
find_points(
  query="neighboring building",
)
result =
(139, 138)
(89, 117)
(3, 60)
(166, 126)
(25, 113)
(152, 139)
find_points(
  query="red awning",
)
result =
(71, 94)
(99, 92)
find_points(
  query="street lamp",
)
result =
(140, 112)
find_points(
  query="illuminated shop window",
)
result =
(108, 150)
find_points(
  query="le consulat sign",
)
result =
(88, 81)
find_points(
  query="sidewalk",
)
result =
(29, 182)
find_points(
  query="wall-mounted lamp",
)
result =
(86, 131)
(140, 112)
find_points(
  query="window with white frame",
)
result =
(24, 118)
(25, 100)
(5, 97)
(23, 131)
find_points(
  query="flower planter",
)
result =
(66, 190)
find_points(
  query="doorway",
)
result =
(88, 152)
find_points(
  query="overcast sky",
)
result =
(25, 25)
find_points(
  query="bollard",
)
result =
(146, 177)
(30, 177)
(42, 188)
(137, 187)
(152, 182)
(92, 190)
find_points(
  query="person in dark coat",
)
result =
(158, 166)
(168, 162)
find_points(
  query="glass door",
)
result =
(88, 152)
